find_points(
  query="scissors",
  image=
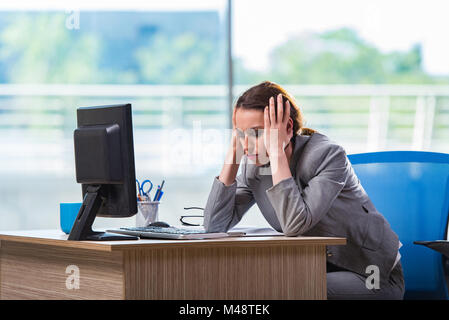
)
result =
(141, 189)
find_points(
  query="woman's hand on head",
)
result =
(276, 134)
(233, 156)
(236, 151)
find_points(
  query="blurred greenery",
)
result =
(179, 59)
(341, 57)
(39, 48)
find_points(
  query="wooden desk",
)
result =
(33, 265)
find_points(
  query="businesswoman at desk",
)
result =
(303, 184)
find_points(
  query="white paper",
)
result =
(256, 231)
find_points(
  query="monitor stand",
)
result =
(82, 227)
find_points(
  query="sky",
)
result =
(389, 24)
(260, 25)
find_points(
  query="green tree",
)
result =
(341, 56)
(40, 49)
(180, 59)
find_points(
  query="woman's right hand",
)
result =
(236, 145)
(233, 155)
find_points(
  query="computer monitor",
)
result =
(104, 162)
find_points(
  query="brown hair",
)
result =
(257, 98)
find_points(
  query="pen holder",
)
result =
(147, 212)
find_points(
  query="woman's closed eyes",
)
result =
(251, 133)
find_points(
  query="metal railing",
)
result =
(37, 121)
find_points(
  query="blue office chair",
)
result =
(411, 190)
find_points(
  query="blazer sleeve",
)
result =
(226, 205)
(299, 209)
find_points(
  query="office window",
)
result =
(167, 58)
(371, 75)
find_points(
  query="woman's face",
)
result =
(250, 125)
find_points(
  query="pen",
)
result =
(158, 194)
(160, 191)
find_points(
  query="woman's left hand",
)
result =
(275, 131)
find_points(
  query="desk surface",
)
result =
(58, 238)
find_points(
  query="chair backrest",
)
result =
(411, 190)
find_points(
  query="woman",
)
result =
(304, 184)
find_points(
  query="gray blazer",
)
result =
(323, 198)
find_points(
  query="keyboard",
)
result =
(168, 233)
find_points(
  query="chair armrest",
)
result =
(441, 246)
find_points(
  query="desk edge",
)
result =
(132, 245)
